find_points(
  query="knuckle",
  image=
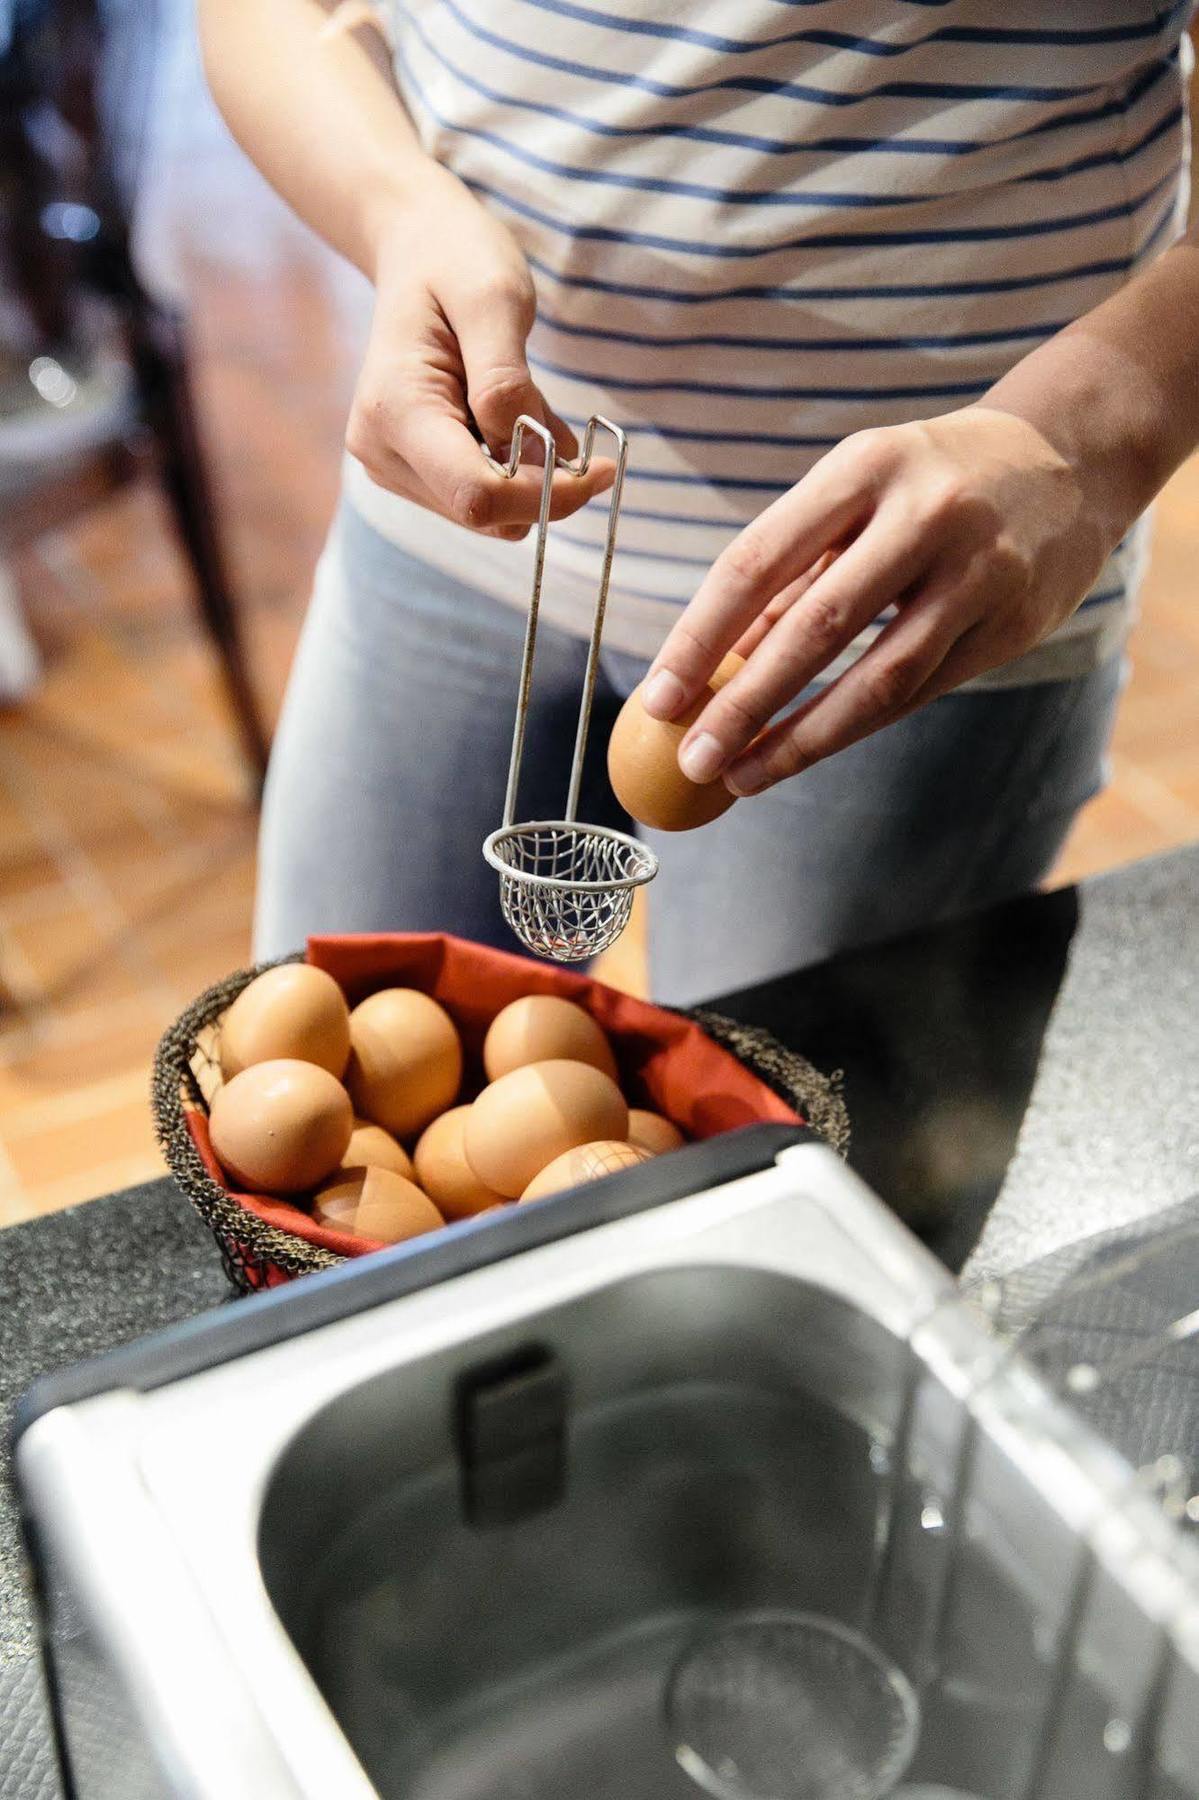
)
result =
(872, 450)
(944, 499)
(502, 390)
(358, 441)
(507, 292)
(741, 716)
(471, 503)
(695, 646)
(888, 683)
(823, 622)
(746, 562)
(372, 423)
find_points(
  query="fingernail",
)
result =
(662, 695)
(749, 779)
(703, 758)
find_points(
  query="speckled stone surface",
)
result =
(73, 1285)
(1111, 1131)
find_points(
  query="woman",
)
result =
(890, 297)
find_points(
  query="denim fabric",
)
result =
(391, 759)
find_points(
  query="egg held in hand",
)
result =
(292, 1011)
(588, 1163)
(406, 1062)
(525, 1119)
(375, 1203)
(444, 1173)
(643, 763)
(544, 1028)
(281, 1126)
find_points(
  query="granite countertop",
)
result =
(1015, 1081)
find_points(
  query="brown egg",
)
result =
(406, 1065)
(375, 1203)
(443, 1171)
(281, 1126)
(292, 1011)
(524, 1120)
(653, 1133)
(643, 763)
(370, 1147)
(588, 1163)
(543, 1028)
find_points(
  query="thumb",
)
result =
(499, 385)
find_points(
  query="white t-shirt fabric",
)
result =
(756, 226)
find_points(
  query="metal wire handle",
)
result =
(566, 889)
(579, 466)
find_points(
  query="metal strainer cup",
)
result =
(566, 888)
(790, 1706)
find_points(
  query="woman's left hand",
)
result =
(979, 533)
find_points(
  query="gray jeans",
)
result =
(391, 758)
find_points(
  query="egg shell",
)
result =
(589, 1162)
(544, 1028)
(652, 1132)
(280, 1127)
(444, 1173)
(524, 1120)
(643, 763)
(375, 1203)
(406, 1062)
(370, 1147)
(292, 1011)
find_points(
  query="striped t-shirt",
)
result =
(756, 226)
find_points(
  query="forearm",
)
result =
(317, 112)
(1117, 392)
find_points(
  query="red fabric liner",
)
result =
(666, 1062)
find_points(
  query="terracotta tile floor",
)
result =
(126, 842)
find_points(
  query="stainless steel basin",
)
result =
(446, 1545)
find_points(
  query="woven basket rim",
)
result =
(250, 1246)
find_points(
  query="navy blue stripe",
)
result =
(827, 240)
(790, 198)
(843, 40)
(761, 84)
(1123, 103)
(744, 140)
(650, 184)
(673, 518)
(796, 346)
(1036, 34)
(947, 390)
(875, 625)
(709, 40)
(802, 296)
(721, 482)
(1125, 154)
(663, 556)
(1163, 224)
(637, 593)
(1103, 599)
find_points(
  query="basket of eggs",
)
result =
(379, 1088)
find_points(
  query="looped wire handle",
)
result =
(579, 467)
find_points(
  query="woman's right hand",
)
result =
(454, 305)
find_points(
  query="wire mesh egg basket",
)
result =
(566, 888)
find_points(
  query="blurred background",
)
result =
(176, 359)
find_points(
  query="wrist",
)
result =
(1084, 399)
(1116, 393)
(398, 211)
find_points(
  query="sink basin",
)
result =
(440, 1534)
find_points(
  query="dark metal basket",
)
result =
(256, 1254)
